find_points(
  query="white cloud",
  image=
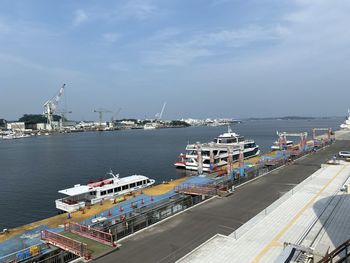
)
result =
(117, 66)
(176, 55)
(237, 38)
(138, 9)
(206, 44)
(4, 28)
(80, 17)
(165, 34)
(111, 37)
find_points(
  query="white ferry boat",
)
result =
(215, 154)
(80, 196)
(150, 126)
(346, 124)
(276, 146)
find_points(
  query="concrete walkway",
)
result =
(294, 215)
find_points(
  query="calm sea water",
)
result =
(32, 170)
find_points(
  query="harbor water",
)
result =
(32, 170)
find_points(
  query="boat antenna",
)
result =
(112, 174)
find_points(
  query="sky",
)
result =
(205, 58)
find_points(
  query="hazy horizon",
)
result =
(215, 59)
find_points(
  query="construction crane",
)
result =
(100, 112)
(159, 115)
(50, 107)
(116, 115)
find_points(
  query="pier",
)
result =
(171, 240)
(178, 235)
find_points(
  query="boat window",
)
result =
(124, 187)
(116, 190)
(139, 183)
(93, 193)
(148, 181)
(110, 191)
(144, 182)
(119, 189)
(241, 139)
(206, 161)
(132, 185)
(103, 192)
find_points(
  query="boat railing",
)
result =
(69, 205)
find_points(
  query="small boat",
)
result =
(150, 126)
(13, 135)
(276, 146)
(79, 196)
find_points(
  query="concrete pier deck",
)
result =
(298, 218)
(172, 239)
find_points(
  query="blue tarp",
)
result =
(32, 237)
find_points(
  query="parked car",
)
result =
(344, 154)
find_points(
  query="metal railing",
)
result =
(197, 189)
(87, 231)
(66, 243)
(340, 254)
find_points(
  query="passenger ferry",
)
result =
(79, 196)
(276, 145)
(346, 124)
(215, 154)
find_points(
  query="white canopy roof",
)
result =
(76, 190)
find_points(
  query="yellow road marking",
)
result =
(276, 239)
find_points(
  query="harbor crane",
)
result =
(50, 107)
(283, 137)
(100, 112)
(159, 115)
(116, 115)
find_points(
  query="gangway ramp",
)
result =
(79, 245)
(74, 246)
(91, 233)
(197, 189)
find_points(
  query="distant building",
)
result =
(16, 126)
(40, 126)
